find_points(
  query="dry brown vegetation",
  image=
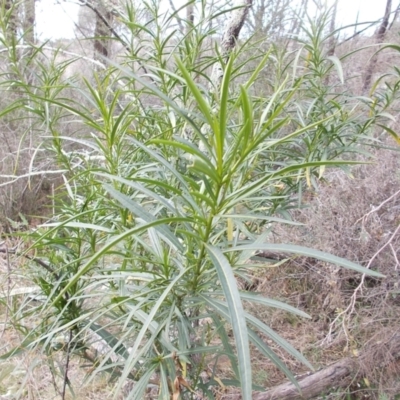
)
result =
(355, 216)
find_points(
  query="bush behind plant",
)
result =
(163, 207)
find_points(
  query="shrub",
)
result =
(170, 187)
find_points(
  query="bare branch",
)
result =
(181, 28)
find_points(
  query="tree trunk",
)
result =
(29, 21)
(231, 34)
(234, 26)
(296, 26)
(380, 35)
(189, 18)
(102, 31)
(332, 39)
(337, 375)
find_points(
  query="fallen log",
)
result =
(334, 376)
(337, 375)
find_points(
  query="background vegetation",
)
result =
(188, 217)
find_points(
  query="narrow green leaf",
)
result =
(50, 232)
(110, 339)
(223, 110)
(270, 104)
(268, 352)
(202, 168)
(255, 298)
(244, 192)
(155, 328)
(107, 247)
(305, 251)
(395, 136)
(259, 217)
(134, 357)
(80, 225)
(301, 130)
(186, 146)
(247, 110)
(198, 95)
(135, 185)
(158, 92)
(164, 387)
(201, 350)
(236, 312)
(225, 342)
(222, 308)
(140, 386)
(19, 290)
(139, 211)
(186, 191)
(258, 70)
(338, 65)
(278, 339)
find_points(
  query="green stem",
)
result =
(206, 237)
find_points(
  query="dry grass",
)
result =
(358, 219)
(349, 217)
(29, 375)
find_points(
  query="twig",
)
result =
(8, 291)
(358, 33)
(365, 217)
(182, 29)
(394, 256)
(115, 33)
(34, 259)
(350, 308)
(66, 379)
(54, 49)
(15, 178)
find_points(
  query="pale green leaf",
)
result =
(258, 299)
(338, 65)
(222, 308)
(305, 251)
(236, 314)
(268, 352)
(140, 212)
(80, 225)
(140, 386)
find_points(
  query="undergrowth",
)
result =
(171, 187)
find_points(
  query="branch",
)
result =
(106, 23)
(115, 33)
(379, 37)
(365, 217)
(312, 385)
(182, 29)
(36, 260)
(234, 26)
(337, 375)
(351, 307)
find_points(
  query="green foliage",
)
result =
(170, 188)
